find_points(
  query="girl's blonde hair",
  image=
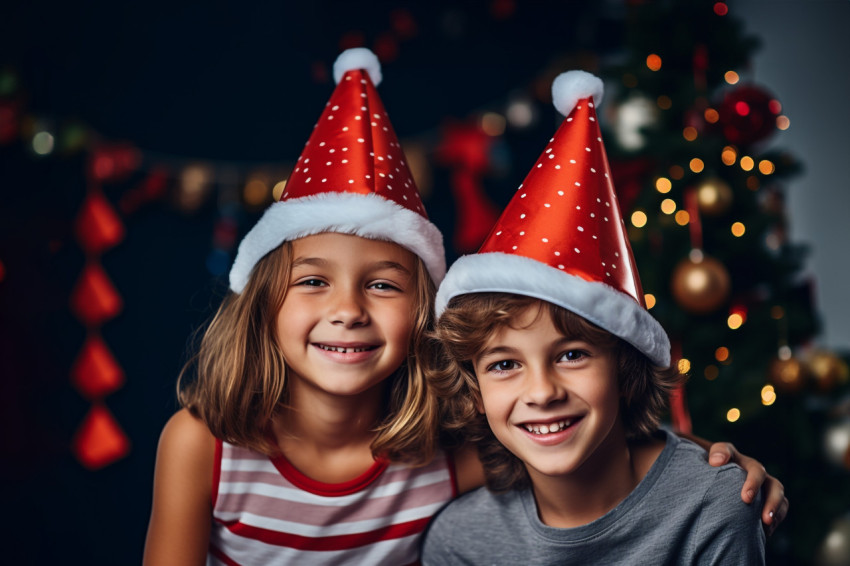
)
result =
(463, 331)
(239, 380)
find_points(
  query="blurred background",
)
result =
(139, 142)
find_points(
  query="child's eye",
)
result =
(572, 356)
(384, 286)
(311, 283)
(503, 365)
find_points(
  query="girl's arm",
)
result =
(775, 503)
(470, 472)
(181, 516)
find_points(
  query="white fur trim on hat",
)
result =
(570, 87)
(600, 304)
(358, 58)
(365, 215)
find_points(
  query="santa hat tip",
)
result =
(570, 87)
(358, 58)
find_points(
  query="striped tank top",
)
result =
(267, 512)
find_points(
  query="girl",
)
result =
(309, 434)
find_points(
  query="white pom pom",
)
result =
(570, 87)
(358, 58)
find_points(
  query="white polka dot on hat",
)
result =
(562, 238)
(352, 177)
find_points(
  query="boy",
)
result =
(558, 372)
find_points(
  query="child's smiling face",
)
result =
(552, 400)
(347, 317)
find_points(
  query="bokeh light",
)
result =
(768, 395)
(653, 62)
(639, 219)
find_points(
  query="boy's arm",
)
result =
(775, 503)
(181, 516)
(728, 532)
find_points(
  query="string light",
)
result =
(721, 354)
(735, 321)
(733, 415)
(664, 102)
(689, 133)
(783, 123)
(711, 372)
(731, 77)
(663, 185)
(653, 62)
(766, 167)
(255, 192)
(768, 395)
(697, 165)
(668, 206)
(684, 366)
(648, 298)
(721, 9)
(738, 229)
(520, 114)
(682, 217)
(493, 124)
(639, 219)
(42, 143)
(753, 183)
(677, 172)
(711, 115)
(729, 155)
(747, 163)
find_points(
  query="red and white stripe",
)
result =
(267, 512)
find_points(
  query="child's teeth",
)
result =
(342, 350)
(547, 429)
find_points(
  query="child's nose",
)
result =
(542, 387)
(348, 308)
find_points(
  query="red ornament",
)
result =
(748, 115)
(113, 163)
(9, 121)
(96, 373)
(94, 299)
(151, 189)
(99, 441)
(466, 150)
(98, 227)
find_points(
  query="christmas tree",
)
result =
(703, 199)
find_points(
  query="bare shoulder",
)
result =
(470, 472)
(185, 432)
(179, 527)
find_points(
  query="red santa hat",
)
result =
(562, 238)
(351, 178)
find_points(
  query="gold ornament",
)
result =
(827, 370)
(835, 548)
(700, 286)
(787, 375)
(714, 196)
(836, 443)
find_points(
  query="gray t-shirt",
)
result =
(683, 512)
